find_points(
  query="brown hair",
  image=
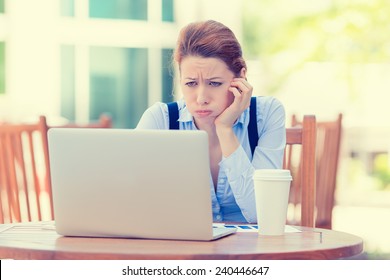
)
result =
(210, 39)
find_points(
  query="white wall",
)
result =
(31, 52)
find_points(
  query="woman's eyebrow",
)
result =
(215, 78)
(207, 79)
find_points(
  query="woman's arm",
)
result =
(242, 92)
(268, 154)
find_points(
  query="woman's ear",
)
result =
(243, 73)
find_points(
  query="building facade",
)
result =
(73, 60)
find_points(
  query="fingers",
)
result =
(242, 85)
(236, 91)
(242, 91)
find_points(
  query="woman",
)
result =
(216, 99)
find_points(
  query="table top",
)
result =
(39, 240)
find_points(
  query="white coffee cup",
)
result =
(272, 188)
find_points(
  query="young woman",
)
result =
(216, 99)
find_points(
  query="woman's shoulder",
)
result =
(268, 101)
(164, 106)
(154, 117)
(270, 112)
(157, 116)
(156, 108)
(268, 104)
(160, 109)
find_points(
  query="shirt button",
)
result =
(221, 181)
(218, 217)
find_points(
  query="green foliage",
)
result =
(2, 67)
(382, 169)
(354, 31)
(296, 32)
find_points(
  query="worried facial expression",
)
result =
(205, 85)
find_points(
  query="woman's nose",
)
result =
(202, 97)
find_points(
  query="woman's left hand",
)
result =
(242, 92)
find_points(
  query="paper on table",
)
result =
(4, 227)
(252, 228)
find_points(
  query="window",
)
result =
(2, 67)
(168, 10)
(122, 79)
(67, 8)
(68, 104)
(119, 84)
(119, 9)
(167, 75)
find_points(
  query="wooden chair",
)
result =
(25, 185)
(303, 136)
(25, 192)
(327, 158)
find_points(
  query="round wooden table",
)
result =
(39, 240)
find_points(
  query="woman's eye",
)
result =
(215, 84)
(191, 84)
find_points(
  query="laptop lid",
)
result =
(131, 183)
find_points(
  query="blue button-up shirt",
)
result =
(234, 198)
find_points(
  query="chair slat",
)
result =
(327, 157)
(20, 194)
(304, 177)
(308, 174)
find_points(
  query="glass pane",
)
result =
(119, 9)
(68, 82)
(167, 10)
(2, 67)
(119, 84)
(167, 75)
(67, 8)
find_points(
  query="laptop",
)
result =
(152, 184)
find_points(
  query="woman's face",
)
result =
(205, 83)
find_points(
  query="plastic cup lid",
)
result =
(272, 174)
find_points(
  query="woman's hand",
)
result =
(242, 92)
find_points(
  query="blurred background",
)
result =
(72, 60)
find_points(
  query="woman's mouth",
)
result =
(203, 113)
